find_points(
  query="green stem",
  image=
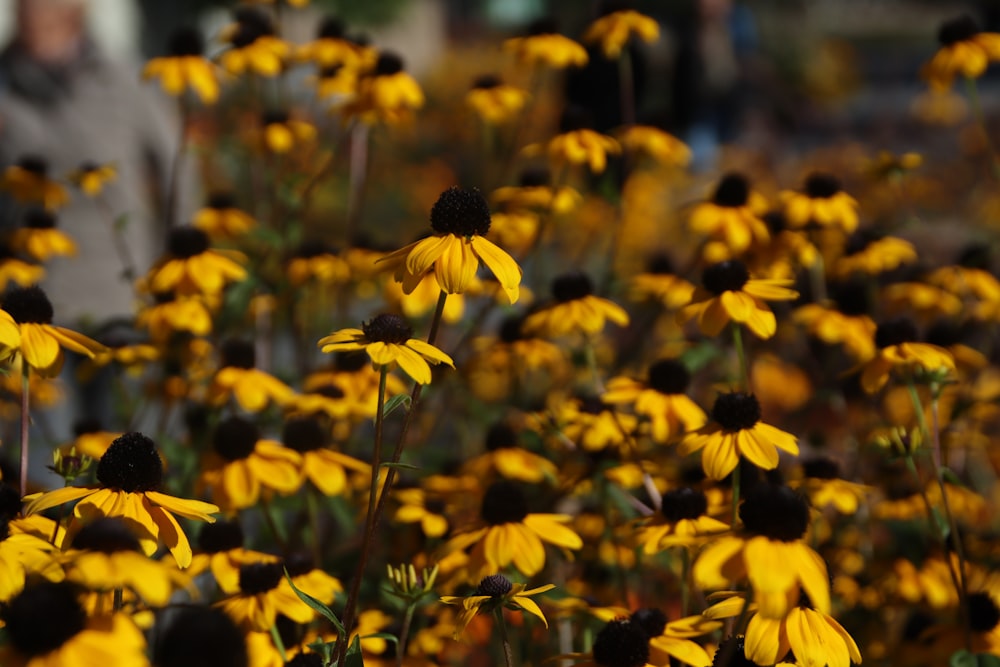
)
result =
(25, 423)
(741, 357)
(736, 493)
(312, 509)
(276, 638)
(502, 625)
(404, 634)
(272, 523)
(685, 581)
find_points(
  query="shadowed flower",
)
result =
(91, 178)
(613, 30)
(493, 592)
(185, 67)
(254, 47)
(661, 399)
(327, 469)
(192, 267)
(822, 203)
(576, 309)
(898, 351)
(494, 101)
(965, 51)
(731, 219)
(331, 48)
(239, 379)
(543, 45)
(385, 93)
(28, 182)
(221, 219)
(39, 237)
(682, 521)
(666, 149)
(282, 133)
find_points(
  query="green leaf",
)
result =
(353, 657)
(962, 658)
(949, 476)
(987, 660)
(402, 466)
(323, 649)
(316, 605)
(395, 402)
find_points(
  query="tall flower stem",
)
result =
(685, 581)
(358, 176)
(173, 185)
(502, 626)
(404, 633)
(744, 373)
(25, 423)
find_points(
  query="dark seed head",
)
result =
(533, 177)
(186, 41)
(487, 82)
(500, 436)
(314, 248)
(728, 276)
(131, 464)
(736, 411)
(660, 264)
(387, 328)
(684, 503)
(776, 512)
(221, 200)
(852, 298)
(495, 585)
(895, 332)
(733, 191)
(542, 26)
(945, 333)
(299, 563)
(732, 653)
(461, 212)
(235, 438)
(251, 24)
(572, 286)
(39, 218)
(651, 620)
(238, 354)
(304, 434)
(821, 467)
(201, 637)
(388, 64)
(510, 328)
(220, 536)
(258, 578)
(331, 28)
(43, 617)
(669, 376)
(28, 305)
(350, 362)
(621, 643)
(503, 502)
(186, 242)
(860, 240)
(775, 221)
(35, 164)
(107, 535)
(575, 118)
(822, 186)
(975, 256)
(87, 425)
(275, 117)
(957, 30)
(10, 501)
(984, 615)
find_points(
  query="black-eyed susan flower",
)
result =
(129, 477)
(845, 322)
(787, 251)
(92, 178)
(315, 260)
(887, 166)
(543, 45)
(613, 30)
(327, 469)
(197, 632)
(353, 380)
(388, 340)
(512, 535)
(25, 555)
(239, 379)
(26, 328)
(39, 237)
(185, 67)
(821, 203)
(899, 352)
(736, 430)
(282, 133)
(925, 302)
(253, 45)
(662, 147)
(592, 424)
(337, 82)
(242, 465)
(672, 641)
(661, 399)
(536, 192)
(576, 309)
(220, 551)
(965, 51)
(16, 271)
(732, 219)
(460, 220)
(496, 592)
(825, 487)
(417, 506)
(730, 294)
(506, 458)
(262, 593)
(386, 93)
(659, 281)
(47, 626)
(682, 521)
(192, 267)
(494, 101)
(515, 359)
(331, 48)
(628, 641)
(220, 218)
(774, 519)
(578, 144)
(870, 254)
(28, 182)
(170, 314)
(515, 229)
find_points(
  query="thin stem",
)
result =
(502, 625)
(170, 202)
(404, 634)
(25, 423)
(312, 508)
(129, 272)
(276, 638)
(741, 356)
(736, 492)
(685, 581)
(626, 88)
(272, 524)
(358, 176)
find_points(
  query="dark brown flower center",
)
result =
(35, 164)
(822, 186)
(238, 354)
(651, 620)
(572, 286)
(39, 218)
(235, 438)
(331, 28)
(220, 536)
(201, 636)
(186, 41)
(504, 502)
(107, 535)
(984, 615)
(685, 503)
(131, 464)
(43, 617)
(486, 82)
(304, 434)
(387, 328)
(736, 411)
(957, 30)
(461, 212)
(669, 376)
(186, 242)
(621, 643)
(495, 585)
(728, 276)
(733, 191)
(28, 305)
(257, 578)
(388, 64)
(776, 512)
(895, 332)
(821, 467)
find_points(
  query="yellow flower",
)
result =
(242, 465)
(664, 148)
(17, 271)
(577, 144)
(661, 400)
(543, 45)
(512, 359)
(846, 324)
(494, 101)
(613, 31)
(926, 302)
(129, 476)
(535, 191)
(512, 535)
(870, 254)
(385, 93)
(185, 67)
(331, 48)
(221, 219)
(736, 430)
(283, 133)
(659, 282)
(823, 203)
(28, 182)
(327, 469)
(646, 638)
(682, 521)
(262, 592)
(237, 378)
(316, 261)
(91, 178)
(824, 487)
(39, 237)
(388, 340)
(576, 310)
(26, 328)
(191, 267)
(171, 313)
(965, 51)
(47, 626)
(730, 294)
(775, 519)
(495, 592)
(416, 507)
(254, 47)
(731, 219)
(25, 555)
(460, 220)
(504, 457)
(898, 351)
